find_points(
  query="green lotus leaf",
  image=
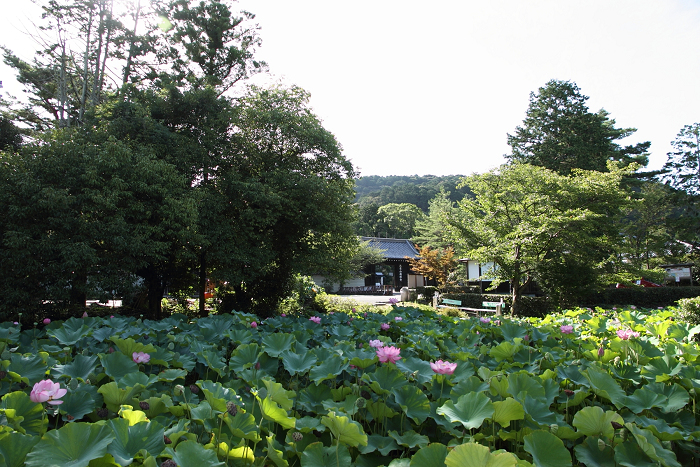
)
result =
(275, 453)
(137, 377)
(277, 393)
(117, 365)
(644, 399)
(661, 368)
(73, 445)
(605, 386)
(328, 369)
(298, 363)
(505, 351)
(129, 346)
(385, 379)
(512, 330)
(661, 429)
(410, 439)
(652, 446)
(80, 368)
(239, 336)
(311, 398)
(477, 455)
(362, 358)
(539, 411)
(590, 454)
(245, 356)
(383, 444)
(507, 410)
(115, 396)
(413, 402)
(273, 412)
(71, 332)
(471, 384)
(316, 455)
(77, 404)
(171, 374)
(345, 430)
(592, 421)
(131, 439)
(380, 410)
(433, 455)
(677, 396)
(31, 367)
(193, 453)
(546, 449)
(470, 410)
(276, 343)
(629, 454)
(27, 417)
(521, 385)
(419, 369)
(14, 448)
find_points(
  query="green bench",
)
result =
(488, 307)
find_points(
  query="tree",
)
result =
(10, 135)
(683, 164)
(400, 219)
(116, 213)
(537, 225)
(437, 264)
(431, 230)
(282, 198)
(561, 134)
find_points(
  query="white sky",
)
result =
(433, 87)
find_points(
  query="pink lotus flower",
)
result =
(485, 320)
(283, 315)
(633, 307)
(85, 314)
(141, 357)
(253, 324)
(315, 319)
(398, 318)
(376, 343)
(384, 326)
(625, 334)
(389, 354)
(393, 301)
(443, 368)
(46, 321)
(47, 391)
(566, 329)
(601, 352)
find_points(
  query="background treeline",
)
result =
(141, 161)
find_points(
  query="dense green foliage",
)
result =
(169, 179)
(533, 224)
(561, 134)
(573, 388)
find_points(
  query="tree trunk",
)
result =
(202, 283)
(132, 51)
(83, 97)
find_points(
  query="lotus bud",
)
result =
(553, 428)
(616, 425)
(601, 352)
(179, 389)
(601, 444)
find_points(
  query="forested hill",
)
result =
(414, 189)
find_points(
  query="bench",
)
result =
(488, 307)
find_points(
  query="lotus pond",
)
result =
(406, 388)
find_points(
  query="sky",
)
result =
(434, 87)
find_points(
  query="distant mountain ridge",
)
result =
(414, 189)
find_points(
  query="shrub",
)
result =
(689, 310)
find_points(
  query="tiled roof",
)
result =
(394, 248)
